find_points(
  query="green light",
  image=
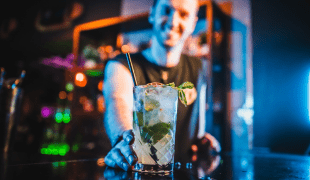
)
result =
(43, 151)
(94, 73)
(48, 151)
(66, 147)
(63, 163)
(55, 164)
(58, 117)
(66, 118)
(69, 87)
(62, 152)
(75, 148)
(56, 149)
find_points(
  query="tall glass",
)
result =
(154, 125)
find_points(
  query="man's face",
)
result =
(173, 20)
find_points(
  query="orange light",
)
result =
(62, 95)
(70, 96)
(100, 104)
(82, 99)
(101, 49)
(100, 162)
(100, 85)
(194, 157)
(80, 79)
(125, 49)
(77, 10)
(194, 148)
(88, 106)
(109, 49)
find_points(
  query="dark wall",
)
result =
(281, 70)
(26, 44)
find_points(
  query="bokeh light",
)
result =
(100, 162)
(66, 118)
(62, 95)
(80, 79)
(46, 112)
(94, 73)
(58, 117)
(100, 104)
(100, 85)
(125, 49)
(88, 106)
(109, 49)
(69, 87)
(55, 149)
(75, 147)
(82, 99)
(70, 96)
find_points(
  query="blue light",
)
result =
(309, 96)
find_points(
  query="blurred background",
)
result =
(258, 55)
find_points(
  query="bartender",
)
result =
(173, 22)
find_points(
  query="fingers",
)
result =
(122, 155)
(115, 159)
(128, 136)
(129, 154)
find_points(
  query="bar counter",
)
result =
(243, 166)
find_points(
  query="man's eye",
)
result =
(184, 14)
(167, 11)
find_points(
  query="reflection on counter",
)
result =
(244, 166)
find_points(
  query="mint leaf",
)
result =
(185, 85)
(183, 99)
(171, 84)
(138, 118)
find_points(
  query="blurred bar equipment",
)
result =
(10, 106)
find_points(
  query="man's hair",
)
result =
(156, 1)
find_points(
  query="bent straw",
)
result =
(131, 69)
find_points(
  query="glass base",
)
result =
(153, 169)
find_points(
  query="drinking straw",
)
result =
(131, 69)
(19, 80)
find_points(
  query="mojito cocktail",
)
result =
(154, 125)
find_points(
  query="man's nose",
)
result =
(173, 19)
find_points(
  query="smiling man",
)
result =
(173, 22)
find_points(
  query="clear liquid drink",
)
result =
(154, 125)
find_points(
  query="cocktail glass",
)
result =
(154, 125)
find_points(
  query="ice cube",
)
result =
(142, 150)
(152, 117)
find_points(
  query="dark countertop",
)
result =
(243, 166)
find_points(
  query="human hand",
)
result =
(122, 154)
